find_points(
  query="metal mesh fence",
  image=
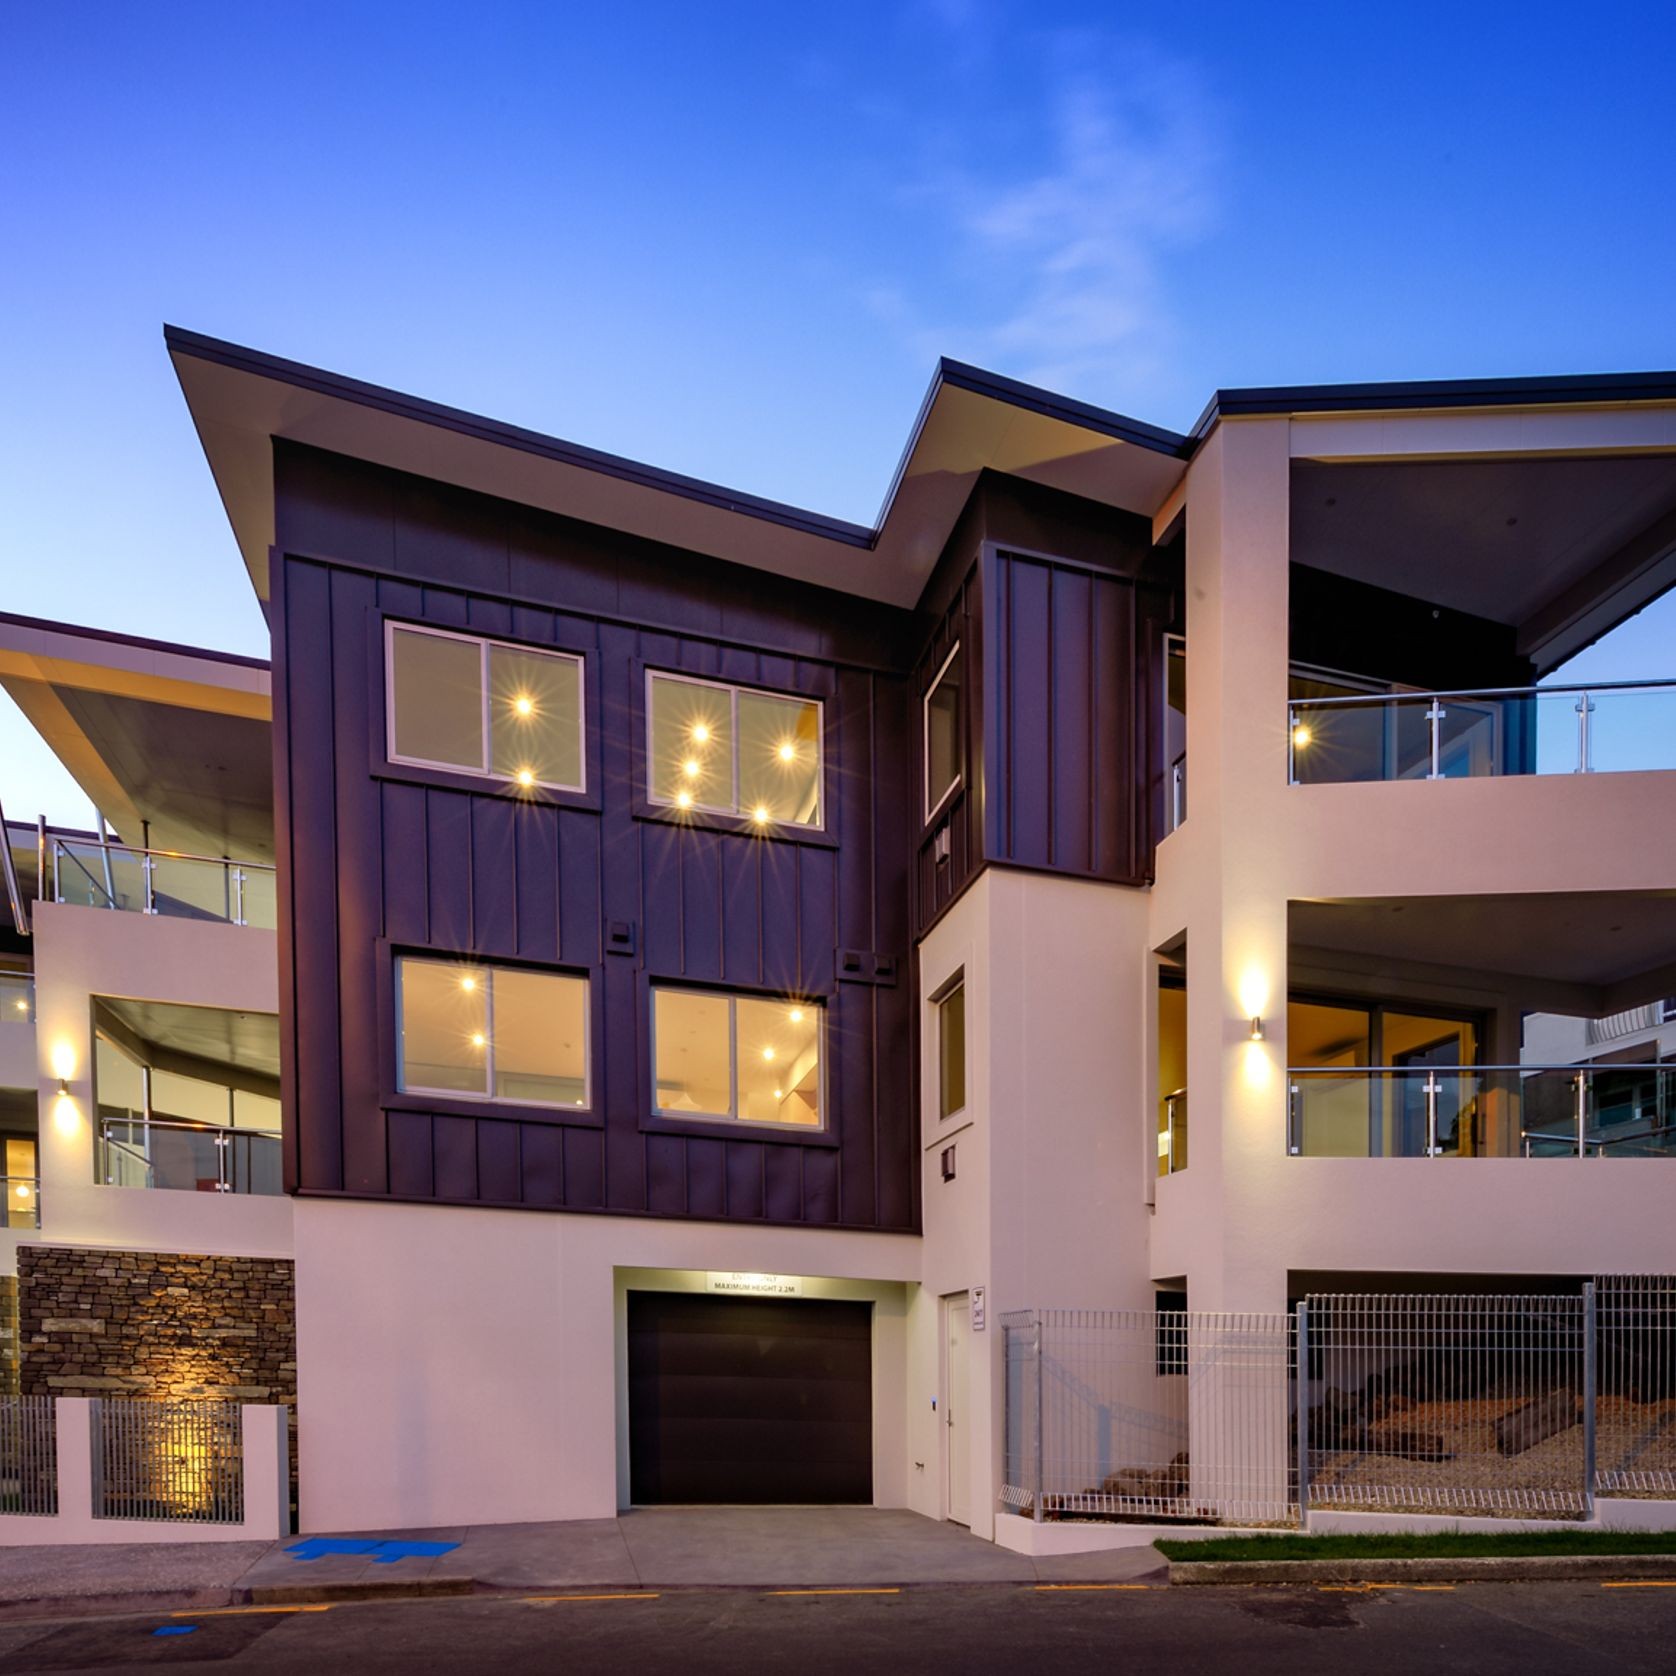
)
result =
(1144, 1414)
(182, 1462)
(28, 1455)
(1447, 1403)
(1635, 1389)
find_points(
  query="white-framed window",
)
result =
(731, 750)
(476, 706)
(950, 1006)
(941, 729)
(750, 1059)
(476, 1031)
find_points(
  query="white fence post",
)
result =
(267, 1470)
(76, 1442)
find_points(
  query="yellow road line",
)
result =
(552, 1600)
(249, 1611)
(1646, 1584)
(833, 1591)
(1364, 1588)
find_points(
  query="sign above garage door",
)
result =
(741, 1284)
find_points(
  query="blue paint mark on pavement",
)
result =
(378, 1551)
(176, 1629)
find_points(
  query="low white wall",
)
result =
(267, 1490)
(1060, 1536)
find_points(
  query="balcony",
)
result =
(164, 1152)
(118, 876)
(1483, 1111)
(1610, 727)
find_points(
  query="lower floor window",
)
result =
(746, 1058)
(491, 1032)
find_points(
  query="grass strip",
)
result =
(1395, 1545)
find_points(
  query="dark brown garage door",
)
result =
(749, 1399)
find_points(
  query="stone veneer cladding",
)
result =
(156, 1325)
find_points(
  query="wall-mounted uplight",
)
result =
(1256, 1029)
(64, 1088)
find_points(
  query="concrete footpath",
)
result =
(664, 1548)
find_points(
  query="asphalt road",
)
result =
(1521, 1629)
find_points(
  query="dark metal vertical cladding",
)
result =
(377, 856)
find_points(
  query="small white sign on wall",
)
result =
(977, 1309)
(754, 1285)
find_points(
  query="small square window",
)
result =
(483, 707)
(951, 1050)
(733, 751)
(743, 1058)
(492, 1033)
(943, 757)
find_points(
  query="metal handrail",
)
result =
(1417, 695)
(166, 855)
(1470, 1070)
(235, 874)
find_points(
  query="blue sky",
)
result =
(732, 239)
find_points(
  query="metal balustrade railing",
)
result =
(1605, 727)
(177, 1461)
(166, 1152)
(1482, 1111)
(119, 876)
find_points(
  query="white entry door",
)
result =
(957, 1434)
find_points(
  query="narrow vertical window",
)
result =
(951, 1050)
(942, 734)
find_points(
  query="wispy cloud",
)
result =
(1072, 254)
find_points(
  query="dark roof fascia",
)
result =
(474, 425)
(116, 638)
(1081, 414)
(1557, 391)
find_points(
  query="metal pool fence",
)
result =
(1518, 1404)
(180, 1462)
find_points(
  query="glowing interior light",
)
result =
(768, 1053)
(468, 982)
(690, 768)
(788, 752)
(779, 1094)
(526, 777)
(23, 1192)
(22, 1006)
(760, 813)
(524, 705)
(701, 733)
(796, 1015)
(1301, 735)
(477, 1038)
(683, 800)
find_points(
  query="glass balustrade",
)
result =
(1498, 1111)
(193, 1157)
(17, 998)
(1615, 728)
(94, 875)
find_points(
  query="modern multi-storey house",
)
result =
(728, 958)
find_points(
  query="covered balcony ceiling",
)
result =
(1583, 952)
(167, 741)
(1560, 549)
(194, 1040)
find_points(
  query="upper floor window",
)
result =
(491, 1032)
(733, 751)
(942, 734)
(483, 707)
(737, 1057)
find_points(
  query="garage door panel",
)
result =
(749, 1400)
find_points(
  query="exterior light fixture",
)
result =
(64, 1088)
(1256, 1029)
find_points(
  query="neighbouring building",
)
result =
(668, 972)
